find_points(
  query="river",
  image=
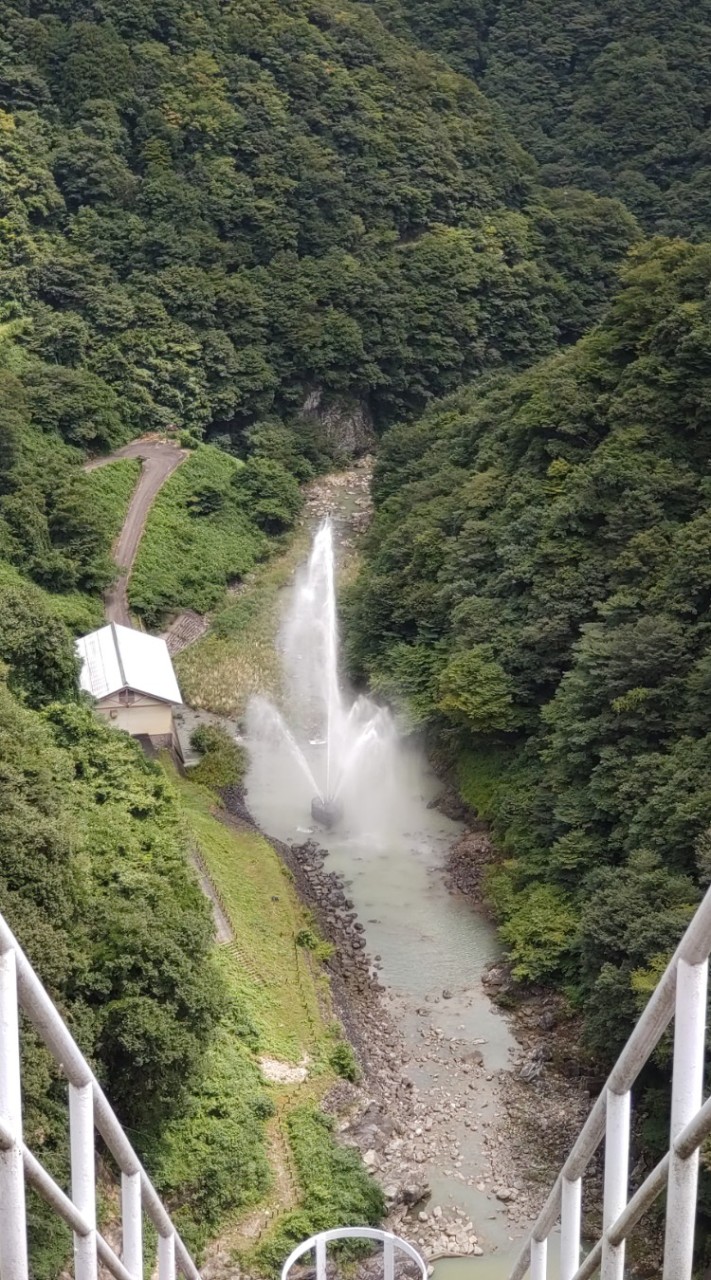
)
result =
(431, 949)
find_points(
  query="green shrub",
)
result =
(344, 1062)
(111, 489)
(199, 537)
(214, 1156)
(223, 762)
(270, 493)
(336, 1188)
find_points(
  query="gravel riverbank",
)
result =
(400, 1128)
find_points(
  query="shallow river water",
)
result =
(429, 940)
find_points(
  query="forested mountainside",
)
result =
(223, 218)
(537, 590)
(612, 97)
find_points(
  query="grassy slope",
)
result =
(112, 487)
(197, 539)
(283, 999)
(280, 990)
(238, 658)
(80, 612)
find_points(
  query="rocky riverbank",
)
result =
(399, 1128)
(549, 1091)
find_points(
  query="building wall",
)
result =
(144, 716)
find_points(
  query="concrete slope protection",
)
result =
(159, 459)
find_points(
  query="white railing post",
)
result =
(320, 1258)
(388, 1260)
(13, 1229)
(617, 1155)
(687, 1095)
(539, 1259)
(166, 1257)
(132, 1224)
(81, 1139)
(570, 1214)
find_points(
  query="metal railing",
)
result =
(681, 995)
(391, 1244)
(89, 1110)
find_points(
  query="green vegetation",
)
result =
(272, 977)
(336, 1189)
(237, 657)
(110, 490)
(223, 762)
(211, 213)
(240, 223)
(211, 1161)
(94, 871)
(536, 583)
(200, 535)
(609, 97)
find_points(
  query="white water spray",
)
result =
(345, 751)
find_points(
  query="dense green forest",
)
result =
(611, 97)
(208, 215)
(537, 589)
(214, 217)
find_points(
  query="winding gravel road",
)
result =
(160, 458)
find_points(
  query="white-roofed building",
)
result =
(130, 675)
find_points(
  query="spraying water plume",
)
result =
(344, 751)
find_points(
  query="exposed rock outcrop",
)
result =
(347, 423)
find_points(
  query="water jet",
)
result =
(340, 749)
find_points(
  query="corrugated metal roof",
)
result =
(116, 657)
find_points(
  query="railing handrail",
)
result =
(679, 994)
(390, 1243)
(89, 1109)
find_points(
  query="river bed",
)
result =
(429, 942)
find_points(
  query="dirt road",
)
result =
(160, 459)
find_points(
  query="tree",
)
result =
(269, 492)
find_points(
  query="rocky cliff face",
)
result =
(347, 423)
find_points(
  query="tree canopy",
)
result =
(537, 583)
(610, 97)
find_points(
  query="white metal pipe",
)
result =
(570, 1216)
(355, 1233)
(643, 1197)
(320, 1258)
(590, 1263)
(36, 1003)
(687, 1093)
(389, 1260)
(166, 1257)
(539, 1259)
(81, 1141)
(132, 1224)
(45, 1185)
(617, 1149)
(695, 1132)
(109, 1259)
(13, 1235)
(522, 1264)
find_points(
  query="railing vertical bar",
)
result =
(539, 1259)
(132, 1224)
(389, 1260)
(81, 1140)
(570, 1215)
(687, 1095)
(13, 1233)
(166, 1257)
(320, 1259)
(617, 1151)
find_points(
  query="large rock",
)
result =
(348, 424)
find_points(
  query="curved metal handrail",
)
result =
(389, 1241)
